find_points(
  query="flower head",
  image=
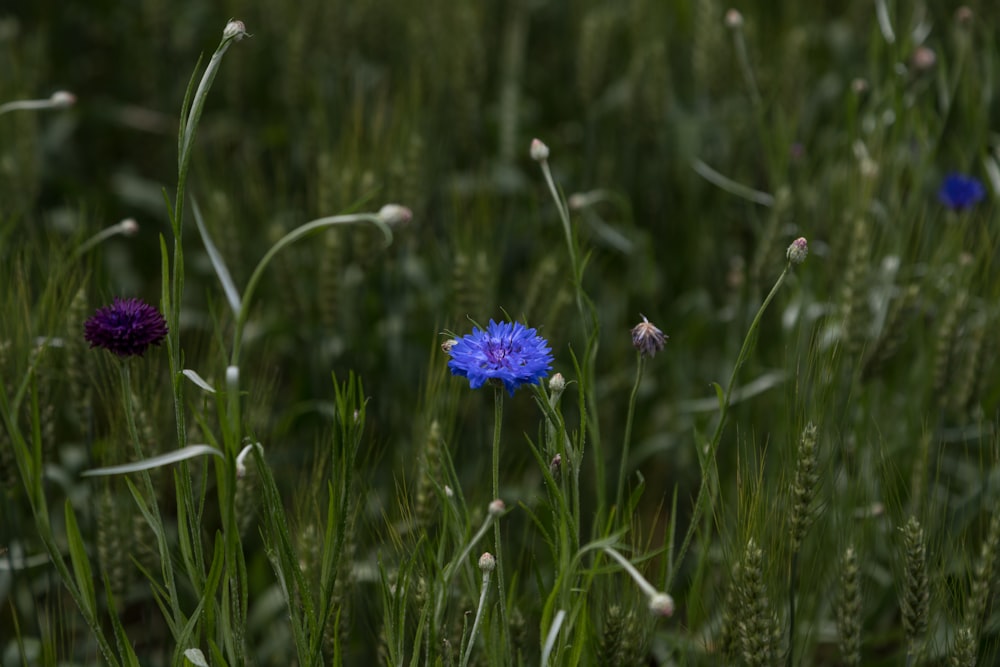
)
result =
(506, 352)
(959, 191)
(647, 338)
(127, 327)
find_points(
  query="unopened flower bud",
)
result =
(923, 59)
(234, 30)
(394, 214)
(129, 227)
(241, 459)
(487, 563)
(539, 151)
(555, 466)
(661, 604)
(497, 508)
(963, 16)
(557, 385)
(734, 19)
(62, 99)
(798, 251)
(647, 338)
(233, 378)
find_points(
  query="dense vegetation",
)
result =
(276, 455)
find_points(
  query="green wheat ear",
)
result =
(78, 362)
(982, 578)
(804, 487)
(915, 602)
(112, 554)
(428, 476)
(964, 649)
(848, 608)
(759, 632)
(621, 640)
(853, 298)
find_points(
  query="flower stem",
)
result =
(793, 579)
(288, 239)
(589, 323)
(479, 617)
(165, 565)
(709, 462)
(502, 589)
(628, 432)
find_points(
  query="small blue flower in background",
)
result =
(127, 327)
(960, 192)
(506, 352)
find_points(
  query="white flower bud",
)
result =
(539, 151)
(497, 508)
(394, 214)
(129, 227)
(487, 563)
(234, 30)
(62, 99)
(661, 604)
(798, 251)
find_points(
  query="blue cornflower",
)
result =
(506, 352)
(960, 192)
(127, 327)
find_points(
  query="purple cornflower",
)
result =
(127, 327)
(960, 192)
(506, 352)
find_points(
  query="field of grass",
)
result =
(324, 213)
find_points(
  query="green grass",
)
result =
(808, 468)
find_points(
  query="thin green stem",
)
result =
(289, 238)
(497, 421)
(166, 565)
(709, 462)
(793, 578)
(589, 324)
(628, 431)
(479, 617)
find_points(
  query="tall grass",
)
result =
(804, 474)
